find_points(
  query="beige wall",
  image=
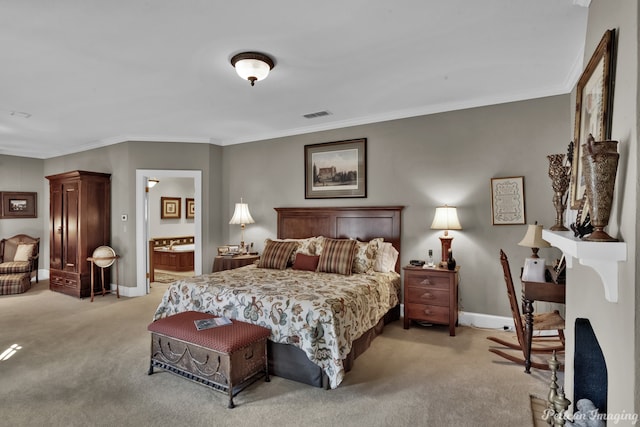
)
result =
(421, 163)
(615, 324)
(25, 174)
(122, 161)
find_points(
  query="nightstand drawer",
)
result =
(427, 296)
(425, 280)
(429, 313)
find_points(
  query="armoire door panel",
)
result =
(56, 246)
(70, 218)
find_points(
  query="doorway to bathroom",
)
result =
(168, 211)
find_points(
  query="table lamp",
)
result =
(242, 216)
(533, 239)
(446, 219)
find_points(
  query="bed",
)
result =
(320, 322)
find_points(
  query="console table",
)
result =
(222, 262)
(537, 291)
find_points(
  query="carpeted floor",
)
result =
(85, 364)
(164, 276)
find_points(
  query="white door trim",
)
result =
(142, 222)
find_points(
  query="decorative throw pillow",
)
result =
(337, 256)
(23, 252)
(318, 245)
(305, 246)
(276, 254)
(306, 262)
(365, 256)
(386, 258)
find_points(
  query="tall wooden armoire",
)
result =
(80, 221)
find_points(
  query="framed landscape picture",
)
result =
(594, 100)
(507, 200)
(170, 207)
(19, 205)
(336, 169)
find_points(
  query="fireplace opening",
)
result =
(589, 367)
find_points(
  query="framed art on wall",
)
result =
(170, 207)
(507, 200)
(190, 208)
(335, 169)
(594, 100)
(18, 205)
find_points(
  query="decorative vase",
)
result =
(451, 262)
(560, 176)
(599, 165)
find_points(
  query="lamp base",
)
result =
(446, 245)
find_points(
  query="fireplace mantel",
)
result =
(603, 257)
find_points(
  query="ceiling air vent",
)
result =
(317, 114)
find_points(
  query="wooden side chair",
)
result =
(541, 321)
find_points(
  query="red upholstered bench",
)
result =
(227, 358)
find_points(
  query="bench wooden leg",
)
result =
(231, 404)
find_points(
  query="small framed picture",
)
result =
(222, 250)
(507, 200)
(18, 205)
(170, 207)
(190, 208)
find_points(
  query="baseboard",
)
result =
(485, 321)
(42, 274)
(479, 320)
(125, 291)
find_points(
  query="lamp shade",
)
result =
(241, 214)
(446, 218)
(533, 237)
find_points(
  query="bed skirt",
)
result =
(290, 362)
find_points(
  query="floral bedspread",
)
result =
(320, 313)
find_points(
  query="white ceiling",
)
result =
(80, 74)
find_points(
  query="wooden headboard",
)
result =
(362, 223)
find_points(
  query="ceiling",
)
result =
(81, 74)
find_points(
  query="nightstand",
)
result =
(431, 295)
(221, 263)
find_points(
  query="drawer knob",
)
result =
(425, 282)
(426, 295)
(427, 311)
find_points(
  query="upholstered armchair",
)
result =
(18, 262)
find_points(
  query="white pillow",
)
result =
(23, 252)
(386, 258)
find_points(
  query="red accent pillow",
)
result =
(306, 262)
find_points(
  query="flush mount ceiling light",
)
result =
(252, 66)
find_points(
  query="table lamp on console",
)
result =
(533, 239)
(242, 216)
(446, 218)
(534, 266)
